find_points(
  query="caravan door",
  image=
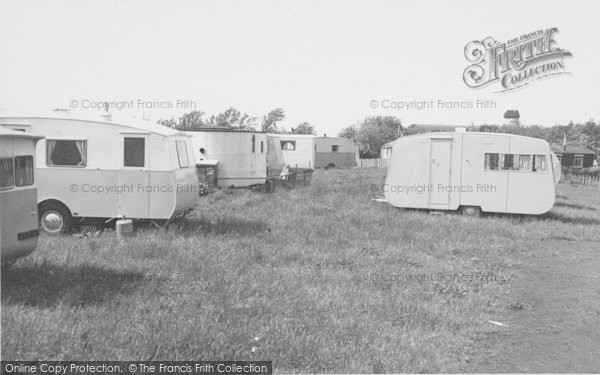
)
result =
(440, 171)
(134, 198)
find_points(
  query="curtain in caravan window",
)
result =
(66, 153)
(23, 170)
(491, 162)
(6, 173)
(524, 163)
(539, 163)
(81, 147)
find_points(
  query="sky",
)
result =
(324, 62)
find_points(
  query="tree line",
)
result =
(375, 131)
(232, 118)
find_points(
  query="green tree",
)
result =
(269, 122)
(170, 123)
(192, 120)
(375, 131)
(349, 132)
(232, 118)
(304, 128)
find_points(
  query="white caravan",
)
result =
(240, 156)
(310, 151)
(474, 172)
(99, 168)
(18, 195)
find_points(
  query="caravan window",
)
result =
(66, 153)
(262, 146)
(6, 173)
(288, 145)
(334, 148)
(134, 152)
(539, 163)
(491, 161)
(508, 161)
(24, 170)
(182, 154)
(524, 163)
(253, 142)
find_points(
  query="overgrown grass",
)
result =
(317, 279)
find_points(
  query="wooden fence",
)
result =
(374, 163)
(584, 179)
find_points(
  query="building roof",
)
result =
(572, 148)
(130, 122)
(389, 144)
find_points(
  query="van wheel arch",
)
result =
(54, 216)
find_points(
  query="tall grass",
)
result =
(318, 278)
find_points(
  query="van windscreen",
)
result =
(6, 173)
(24, 170)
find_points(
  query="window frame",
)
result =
(32, 170)
(293, 143)
(134, 136)
(187, 159)
(516, 162)
(577, 157)
(85, 158)
(12, 180)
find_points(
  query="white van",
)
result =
(99, 168)
(473, 172)
(240, 155)
(18, 195)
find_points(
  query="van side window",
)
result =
(66, 153)
(182, 154)
(524, 163)
(24, 170)
(508, 161)
(491, 161)
(539, 163)
(288, 145)
(134, 152)
(6, 173)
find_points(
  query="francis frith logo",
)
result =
(515, 63)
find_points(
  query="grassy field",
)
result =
(316, 279)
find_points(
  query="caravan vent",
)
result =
(460, 129)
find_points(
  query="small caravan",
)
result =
(473, 172)
(18, 195)
(94, 167)
(240, 156)
(310, 151)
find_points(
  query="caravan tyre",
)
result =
(473, 211)
(54, 218)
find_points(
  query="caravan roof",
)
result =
(129, 122)
(5, 132)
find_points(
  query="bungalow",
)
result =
(574, 155)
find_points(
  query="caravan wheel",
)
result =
(54, 218)
(473, 211)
